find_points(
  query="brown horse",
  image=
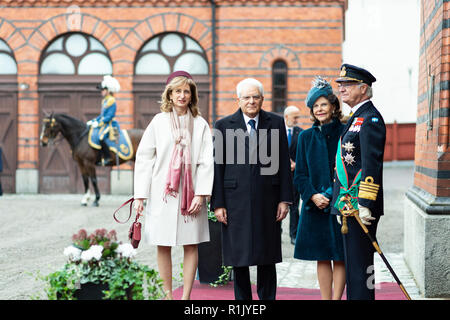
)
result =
(76, 134)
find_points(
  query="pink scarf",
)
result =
(180, 163)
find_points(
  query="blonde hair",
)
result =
(166, 103)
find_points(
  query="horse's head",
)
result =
(50, 129)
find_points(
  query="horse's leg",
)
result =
(85, 177)
(93, 177)
(87, 193)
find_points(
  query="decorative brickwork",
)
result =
(432, 156)
(249, 37)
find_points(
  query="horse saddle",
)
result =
(117, 141)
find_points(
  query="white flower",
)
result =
(94, 252)
(74, 254)
(126, 250)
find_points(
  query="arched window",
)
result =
(170, 52)
(279, 86)
(76, 53)
(7, 62)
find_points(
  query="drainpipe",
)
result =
(213, 62)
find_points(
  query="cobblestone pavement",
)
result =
(35, 229)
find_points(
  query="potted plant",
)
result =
(100, 267)
(210, 267)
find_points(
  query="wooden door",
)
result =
(57, 170)
(8, 132)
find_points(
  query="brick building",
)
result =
(54, 52)
(427, 209)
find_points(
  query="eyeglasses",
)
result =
(247, 98)
(347, 84)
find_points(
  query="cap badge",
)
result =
(343, 72)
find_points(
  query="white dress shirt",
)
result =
(247, 118)
(353, 110)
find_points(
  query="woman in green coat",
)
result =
(318, 235)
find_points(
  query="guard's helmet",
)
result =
(110, 83)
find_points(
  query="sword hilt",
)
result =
(347, 211)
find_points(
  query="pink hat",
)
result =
(178, 74)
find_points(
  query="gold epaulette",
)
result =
(110, 100)
(368, 189)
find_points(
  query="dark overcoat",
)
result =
(318, 235)
(293, 147)
(251, 196)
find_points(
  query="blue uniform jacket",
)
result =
(108, 112)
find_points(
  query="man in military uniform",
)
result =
(359, 172)
(109, 127)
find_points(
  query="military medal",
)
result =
(348, 146)
(356, 125)
(349, 159)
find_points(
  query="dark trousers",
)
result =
(294, 215)
(105, 150)
(359, 265)
(266, 285)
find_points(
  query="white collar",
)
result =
(247, 118)
(358, 105)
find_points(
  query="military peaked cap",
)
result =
(353, 73)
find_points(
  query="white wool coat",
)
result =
(164, 224)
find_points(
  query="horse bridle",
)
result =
(52, 121)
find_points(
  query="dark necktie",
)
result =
(252, 124)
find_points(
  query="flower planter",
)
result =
(91, 291)
(210, 255)
(97, 263)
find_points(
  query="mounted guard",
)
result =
(105, 127)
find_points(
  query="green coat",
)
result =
(318, 234)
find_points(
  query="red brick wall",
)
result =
(251, 35)
(432, 157)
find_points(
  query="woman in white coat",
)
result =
(174, 171)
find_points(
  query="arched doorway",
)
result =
(160, 56)
(70, 68)
(8, 117)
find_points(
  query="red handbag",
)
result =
(134, 234)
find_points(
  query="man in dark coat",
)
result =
(291, 117)
(359, 162)
(252, 190)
